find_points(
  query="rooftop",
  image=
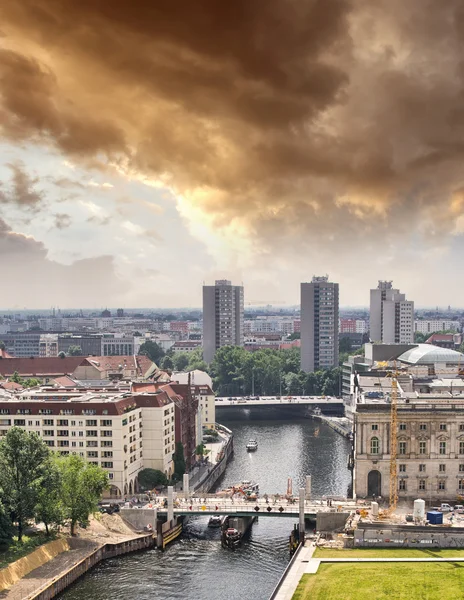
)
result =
(427, 354)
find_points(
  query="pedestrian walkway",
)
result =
(297, 570)
(44, 575)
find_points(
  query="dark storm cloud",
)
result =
(288, 117)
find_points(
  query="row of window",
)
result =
(422, 468)
(89, 444)
(403, 447)
(422, 426)
(441, 485)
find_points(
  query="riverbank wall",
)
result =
(109, 550)
(344, 429)
(205, 485)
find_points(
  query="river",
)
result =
(196, 567)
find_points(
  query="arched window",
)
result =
(374, 445)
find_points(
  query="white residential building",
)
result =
(430, 326)
(391, 315)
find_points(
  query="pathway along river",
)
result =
(196, 567)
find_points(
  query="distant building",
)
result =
(106, 313)
(120, 312)
(48, 345)
(391, 315)
(222, 317)
(445, 340)
(185, 346)
(431, 326)
(319, 324)
(22, 344)
(353, 326)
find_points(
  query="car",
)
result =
(459, 508)
(219, 399)
(445, 507)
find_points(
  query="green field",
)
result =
(388, 553)
(383, 581)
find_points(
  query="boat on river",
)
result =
(216, 520)
(231, 538)
(252, 445)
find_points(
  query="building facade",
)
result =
(123, 434)
(319, 324)
(391, 315)
(222, 317)
(431, 326)
(430, 454)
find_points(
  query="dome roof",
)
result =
(427, 354)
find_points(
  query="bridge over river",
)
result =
(310, 401)
(218, 505)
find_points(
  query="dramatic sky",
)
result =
(150, 145)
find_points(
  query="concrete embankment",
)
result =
(343, 426)
(22, 567)
(109, 550)
(207, 482)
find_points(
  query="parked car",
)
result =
(459, 508)
(444, 507)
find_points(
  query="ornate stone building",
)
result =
(430, 453)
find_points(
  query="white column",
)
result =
(308, 487)
(185, 485)
(302, 513)
(170, 503)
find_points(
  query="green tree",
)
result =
(23, 458)
(49, 509)
(16, 378)
(31, 382)
(344, 344)
(82, 487)
(167, 363)
(179, 461)
(6, 525)
(74, 350)
(62, 355)
(180, 361)
(150, 478)
(294, 336)
(152, 350)
(2, 345)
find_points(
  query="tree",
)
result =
(150, 478)
(179, 461)
(2, 345)
(6, 525)
(294, 336)
(16, 378)
(49, 508)
(180, 360)
(152, 350)
(167, 363)
(74, 350)
(344, 344)
(82, 487)
(31, 382)
(62, 355)
(23, 458)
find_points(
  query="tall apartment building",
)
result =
(319, 324)
(222, 317)
(391, 315)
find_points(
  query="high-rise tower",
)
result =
(222, 317)
(319, 324)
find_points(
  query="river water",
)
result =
(196, 567)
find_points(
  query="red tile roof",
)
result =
(12, 386)
(39, 366)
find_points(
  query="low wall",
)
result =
(139, 518)
(331, 521)
(20, 568)
(378, 535)
(106, 551)
(218, 469)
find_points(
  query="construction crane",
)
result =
(394, 441)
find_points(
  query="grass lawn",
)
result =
(16, 550)
(388, 553)
(386, 581)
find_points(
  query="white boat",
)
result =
(252, 445)
(216, 521)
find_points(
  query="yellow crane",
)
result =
(394, 441)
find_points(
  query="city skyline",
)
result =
(221, 154)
